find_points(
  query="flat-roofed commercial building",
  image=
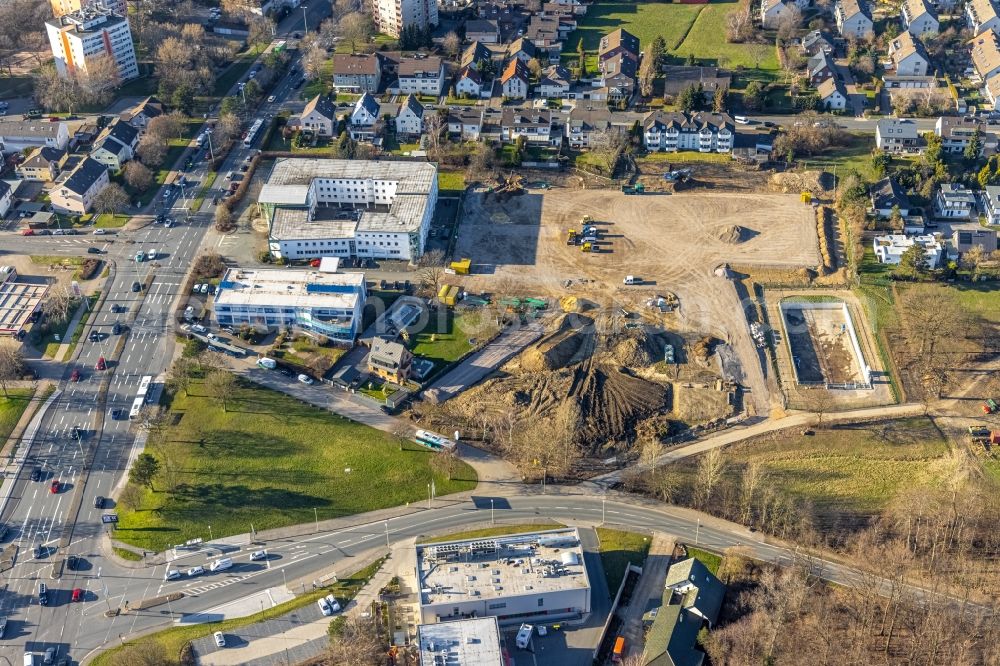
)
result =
(328, 304)
(18, 301)
(472, 642)
(349, 208)
(515, 578)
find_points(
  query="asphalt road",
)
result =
(67, 521)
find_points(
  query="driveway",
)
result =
(484, 361)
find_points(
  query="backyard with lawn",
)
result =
(449, 335)
(698, 30)
(618, 550)
(270, 461)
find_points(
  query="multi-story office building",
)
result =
(391, 16)
(328, 304)
(78, 38)
(516, 578)
(349, 208)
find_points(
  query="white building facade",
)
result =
(391, 16)
(79, 37)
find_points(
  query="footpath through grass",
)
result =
(618, 550)
(270, 461)
(172, 641)
(11, 408)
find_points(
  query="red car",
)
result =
(28, 232)
(74, 376)
(54, 488)
(77, 594)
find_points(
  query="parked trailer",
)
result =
(523, 638)
(990, 406)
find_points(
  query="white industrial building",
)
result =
(472, 642)
(324, 303)
(79, 37)
(539, 576)
(349, 208)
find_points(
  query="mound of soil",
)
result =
(735, 234)
(612, 404)
(638, 351)
(560, 348)
(794, 182)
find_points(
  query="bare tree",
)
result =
(710, 468)
(181, 373)
(224, 219)
(221, 385)
(432, 272)
(101, 78)
(356, 28)
(57, 92)
(137, 176)
(445, 463)
(607, 145)
(355, 640)
(451, 44)
(313, 61)
(751, 480)
(11, 363)
(56, 306)
(434, 126)
(152, 151)
(166, 127)
(261, 30)
(112, 200)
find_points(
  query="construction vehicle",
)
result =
(448, 294)
(677, 175)
(628, 189)
(590, 234)
(462, 267)
(586, 220)
(990, 406)
(571, 237)
(979, 433)
(587, 247)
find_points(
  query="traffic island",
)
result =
(152, 602)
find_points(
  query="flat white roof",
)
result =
(17, 301)
(504, 566)
(289, 288)
(290, 178)
(472, 642)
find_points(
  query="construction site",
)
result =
(646, 334)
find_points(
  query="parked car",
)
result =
(196, 288)
(324, 607)
(220, 640)
(199, 329)
(94, 250)
(172, 574)
(305, 379)
(195, 571)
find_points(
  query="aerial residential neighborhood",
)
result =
(492, 333)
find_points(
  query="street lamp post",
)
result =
(305, 19)
(210, 537)
(316, 517)
(428, 495)
(211, 153)
(697, 530)
(387, 535)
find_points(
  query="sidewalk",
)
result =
(73, 323)
(304, 640)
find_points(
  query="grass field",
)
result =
(271, 460)
(447, 339)
(706, 40)
(618, 550)
(844, 471)
(981, 298)
(11, 408)
(855, 155)
(451, 183)
(699, 30)
(106, 221)
(174, 639)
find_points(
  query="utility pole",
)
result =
(697, 530)
(316, 516)
(387, 535)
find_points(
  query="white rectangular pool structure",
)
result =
(823, 344)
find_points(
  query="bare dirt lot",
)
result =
(670, 243)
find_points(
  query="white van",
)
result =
(741, 120)
(222, 564)
(630, 279)
(29, 659)
(151, 254)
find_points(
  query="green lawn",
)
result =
(645, 20)
(106, 221)
(618, 550)
(446, 338)
(709, 559)
(706, 41)
(11, 408)
(173, 640)
(686, 156)
(980, 298)
(236, 71)
(847, 471)
(451, 183)
(855, 155)
(126, 554)
(270, 461)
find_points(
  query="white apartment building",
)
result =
(702, 132)
(60, 7)
(81, 36)
(391, 16)
(349, 208)
(327, 303)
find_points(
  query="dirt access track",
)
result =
(670, 242)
